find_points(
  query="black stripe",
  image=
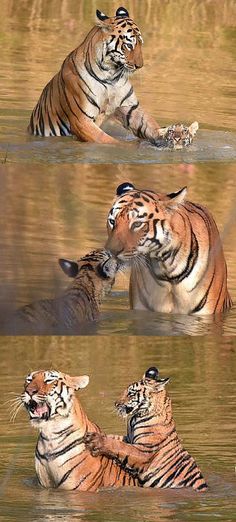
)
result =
(127, 95)
(129, 113)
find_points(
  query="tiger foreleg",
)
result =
(126, 454)
(87, 131)
(139, 122)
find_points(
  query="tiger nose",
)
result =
(31, 390)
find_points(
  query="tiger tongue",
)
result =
(41, 409)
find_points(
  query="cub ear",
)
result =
(161, 383)
(70, 268)
(151, 373)
(193, 128)
(101, 16)
(76, 383)
(124, 187)
(122, 12)
(176, 198)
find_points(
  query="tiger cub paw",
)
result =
(176, 136)
(94, 442)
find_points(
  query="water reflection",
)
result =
(188, 74)
(202, 388)
(61, 212)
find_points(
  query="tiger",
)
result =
(175, 252)
(93, 84)
(93, 276)
(177, 136)
(61, 459)
(152, 446)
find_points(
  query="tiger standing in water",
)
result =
(151, 447)
(61, 459)
(175, 252)
(93, 84)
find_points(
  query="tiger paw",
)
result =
(94, 442)
(176, 136)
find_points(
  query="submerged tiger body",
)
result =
(61, 459)
(152, 447)
(93, 275)
(175, 252)
(93, 84)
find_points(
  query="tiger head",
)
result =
(48, 394)
(177, 136)
(143, 397)
(100, 262)
(122, 41)
(141, 222)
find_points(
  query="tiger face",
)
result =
(122, 41)
(48, 394)
(141, 222)
(101, 262)
(177, 136)
(141, 397)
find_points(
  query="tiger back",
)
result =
(152, 446)
(93, 276)
(174, 249)
(61, 459)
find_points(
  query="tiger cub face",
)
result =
(141, 398)
(177, 136)
(48, 394)
(122, 41)
(101, 262)
(141, 222)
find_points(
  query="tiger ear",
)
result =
(76, 383)
(193, 128)
(124, 187)
(176, 198)
(161, 383)
(122, 12)
(70, 268)
(101, 16)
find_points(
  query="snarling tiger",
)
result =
(93, 83)
(152, 446)
(61, 459)
(175, 251)
(93, 276)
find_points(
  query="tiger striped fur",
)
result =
(152, 446)
(93, 84)
(93, 276)
(61, 459)
(175, 251)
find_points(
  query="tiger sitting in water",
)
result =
(175, 251)
(93, 275)
(151, 447)
(61, 459)
(93, 84)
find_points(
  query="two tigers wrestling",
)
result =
(93, 84)
(151, 454)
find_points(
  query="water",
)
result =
(202, 388)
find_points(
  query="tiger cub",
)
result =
(177, 136)
(93, 275)
(61, 459)
(152, 446)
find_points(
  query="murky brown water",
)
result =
(202, 389)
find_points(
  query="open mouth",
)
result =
(38, 410)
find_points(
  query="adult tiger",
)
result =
(93, 83)
(178, 262)
(61, 459)
(152, 446)
(93, 276)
